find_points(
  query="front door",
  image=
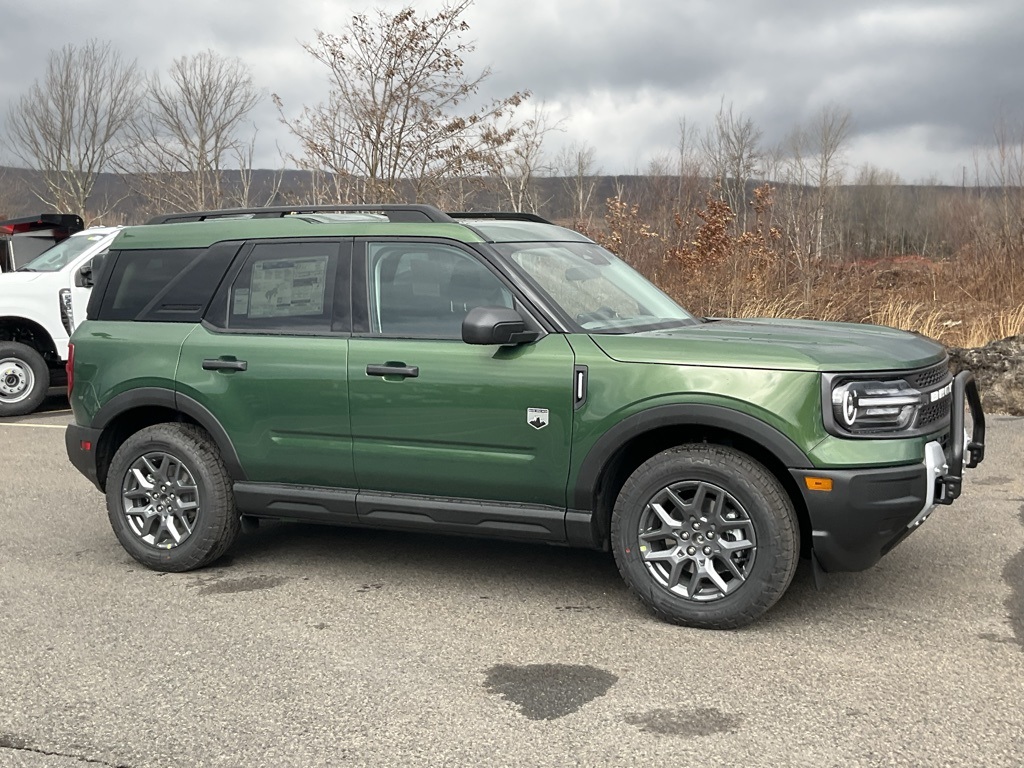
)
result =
(434, 416)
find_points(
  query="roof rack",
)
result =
(500, 216)
(396, 212)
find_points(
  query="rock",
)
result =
(998, 368)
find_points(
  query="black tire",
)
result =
(173, 478)
(734, 550)
(24, 379)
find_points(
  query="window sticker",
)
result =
(241, 306)
(288, 287)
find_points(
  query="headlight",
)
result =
(67, 313)
(875, 406)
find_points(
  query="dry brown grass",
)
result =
(966, 301)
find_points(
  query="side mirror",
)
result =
(86, 275)
(496, 325)
(83, 277)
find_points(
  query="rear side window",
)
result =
(286, 287)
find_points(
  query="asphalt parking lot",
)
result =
(312, 646)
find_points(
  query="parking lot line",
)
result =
(37, 426)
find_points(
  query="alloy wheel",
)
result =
(697, 541)
(160, 500)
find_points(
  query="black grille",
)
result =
(928, 377)
(934, 412)
(927, 380)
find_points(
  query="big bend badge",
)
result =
(537, 417)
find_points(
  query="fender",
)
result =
(175, 401)
(682, 414)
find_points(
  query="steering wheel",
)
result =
(601, 314)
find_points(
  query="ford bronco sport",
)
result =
(496, 375)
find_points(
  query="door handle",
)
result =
(224, 364)
(393, 369)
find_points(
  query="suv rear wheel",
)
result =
(169, 498)
(24, 379)
(705, 536)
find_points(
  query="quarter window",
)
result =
(137, 277)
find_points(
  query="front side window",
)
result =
(426, 289)
(601, 293)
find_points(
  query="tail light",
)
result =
(69, 366)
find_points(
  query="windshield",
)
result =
(63, 253)
(601, 293)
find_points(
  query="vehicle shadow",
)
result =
(56, 400)
(582, 576)
(414, 555)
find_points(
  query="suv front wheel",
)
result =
(169, 498)
(705, 536)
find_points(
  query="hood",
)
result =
(10, 280)
(791, 345)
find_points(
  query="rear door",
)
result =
(270, 362)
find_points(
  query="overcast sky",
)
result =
(924, 81)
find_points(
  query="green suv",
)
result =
(496, 375)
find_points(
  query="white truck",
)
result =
(41, 303)
(21, 240)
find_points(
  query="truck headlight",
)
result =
(67, 312)
(875, 406)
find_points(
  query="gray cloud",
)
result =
(924, 81)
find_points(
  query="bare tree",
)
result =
(732, 152)
(829, 133)
(397, 107)
(69, 126)
(809, 165)
(519, 160)
(188, 147)
(577, 166)
(871, 215)
(1006, 172)
(691, 167)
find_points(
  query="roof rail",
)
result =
(396, 212)
(500, 216)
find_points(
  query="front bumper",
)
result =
(869, 511)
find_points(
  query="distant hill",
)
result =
(293, 186)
